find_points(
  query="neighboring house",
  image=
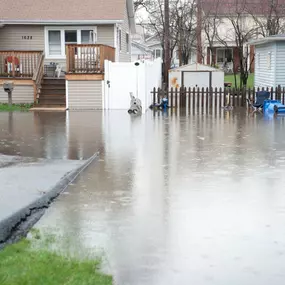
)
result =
(76, 36)
(155, 44)
(141, 52)
(269, 61)
(225, 50)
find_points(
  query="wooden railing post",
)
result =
(102, 54)
(13, 64)
(67, 59)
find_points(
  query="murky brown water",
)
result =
(176, 199)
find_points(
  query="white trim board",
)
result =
(62, 29)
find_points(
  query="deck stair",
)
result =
(52, 92)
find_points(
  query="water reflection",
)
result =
(54, 135)
(183, 199)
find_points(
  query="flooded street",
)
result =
(173, 199)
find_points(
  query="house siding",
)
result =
(265, 76)
(85, 95)
(106, 35)
(21, 94)
(125, 56)
(11, 38)
(280, 64)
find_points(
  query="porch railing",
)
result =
(38, 75)
(18, 64)
(88, 58)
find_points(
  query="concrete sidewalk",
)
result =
(28, 184)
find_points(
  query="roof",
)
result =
(195, 67)
(141, 46)
(256, 7)
(62, 11)
(269, 39)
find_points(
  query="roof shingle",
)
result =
(61, 10)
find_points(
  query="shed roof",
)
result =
(40, 11)
(269, 39)
(195, 67)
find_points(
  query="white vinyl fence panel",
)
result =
(123, 78)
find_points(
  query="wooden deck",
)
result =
(88, 58)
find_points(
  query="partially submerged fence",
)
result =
(212, 98)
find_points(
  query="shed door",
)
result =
(196, 79)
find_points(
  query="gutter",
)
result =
(266, 40)
(59, 22)
(131, 14)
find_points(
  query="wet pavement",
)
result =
(40, 153)
(181, 199)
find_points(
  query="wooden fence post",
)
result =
(207, 98)
(153, 96)
(176, 98)
(198, 98)
(194, 98)
(171, 97)
(202, 101)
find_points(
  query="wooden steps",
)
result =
(52, 93)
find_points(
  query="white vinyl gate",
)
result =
(121, 78)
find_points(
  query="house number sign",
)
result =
(27, 37)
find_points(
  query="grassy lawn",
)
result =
(15, 107)
(22, 264)
(231, 78)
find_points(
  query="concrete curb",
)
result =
(11, 224)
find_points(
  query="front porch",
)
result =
(83, 62)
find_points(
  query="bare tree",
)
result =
(210, 25)
(182, 25)
(184, 16)
(241, 30)
(269, 17)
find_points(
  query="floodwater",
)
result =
(175, 199)
(52, 135)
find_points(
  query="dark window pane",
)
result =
(71, 37)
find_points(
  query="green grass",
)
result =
(15, 107)
(24, 264)
(231, 78)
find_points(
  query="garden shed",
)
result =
(196, 75)
(269, 61)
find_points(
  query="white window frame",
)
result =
(258, 60)
(119, 42)
(62, 38)
(224, 49)
(128, 43)
(269, 60)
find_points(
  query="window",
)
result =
(57, 37)
(120, 38)
(224, 55)
(87, 37)
(70, 37)
(258, 60)
(128, 42)
(158, 53)
(54, 43)
(269, 60)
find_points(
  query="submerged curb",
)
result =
(11, 224)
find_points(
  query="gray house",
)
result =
(269, 61)
(37, 36)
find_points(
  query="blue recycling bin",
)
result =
(273, 106)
